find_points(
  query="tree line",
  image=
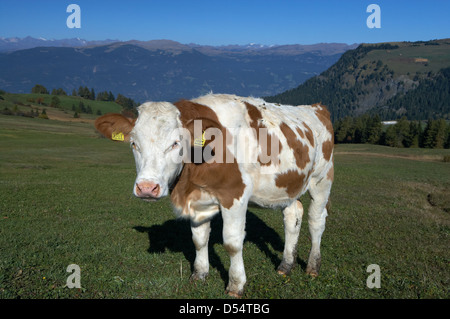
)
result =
(128, 104)
(404, 133)
(89, 94)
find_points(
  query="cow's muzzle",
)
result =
(148, 191)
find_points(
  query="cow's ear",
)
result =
(115, 126)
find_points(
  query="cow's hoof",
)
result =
(234, 294)
(312, 272)
(285, 269)
(313, 266)
(198, 276)
(283, 272)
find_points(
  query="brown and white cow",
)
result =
(250, 151)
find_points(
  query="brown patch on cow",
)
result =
(266, 148)
(182, 190)
(190, 112)
(300, 150)
(114, 123)
(300, 132)
(327, 149)
(309, 134)
(330, 174)
(231, 250)
(324, 116)
(293, 181)
(222, 180)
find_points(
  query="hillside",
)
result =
(409, 79)
(32, 105)
(167, 70)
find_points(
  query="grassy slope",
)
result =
(65, 197)
(402, 60)
(64, 112)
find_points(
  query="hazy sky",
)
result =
(229, 22)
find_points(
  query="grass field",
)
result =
(65, 198)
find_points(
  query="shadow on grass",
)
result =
(175, 235)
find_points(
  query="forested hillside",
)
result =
(392, 80)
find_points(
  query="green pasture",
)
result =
(65, 198)
(402, 60)
(25, 102)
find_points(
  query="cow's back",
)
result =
(298, 146)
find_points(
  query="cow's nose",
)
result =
(147, 189)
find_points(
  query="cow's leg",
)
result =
(292, 222)
(317, 213)
(233, 240)
(200, 237)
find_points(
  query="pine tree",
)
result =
(342, 131)
(81, 108)
(429, 134)
(403, 133)
(441, 134)
(447, 143)
(39, 89)
(56, 102)
(360, 129)
(43, 115)
(390, 136)
(415, 133)
(374, 129)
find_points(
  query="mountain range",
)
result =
(14, 44)
(161, 69)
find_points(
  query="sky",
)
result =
(269, 22)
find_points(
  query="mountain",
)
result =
(14, 44)
(166, 70)
(392, 80)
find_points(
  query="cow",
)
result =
(192, 150)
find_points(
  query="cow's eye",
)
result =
(134, 146)
(173, 146)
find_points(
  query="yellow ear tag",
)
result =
(117, 136)
(200, 141)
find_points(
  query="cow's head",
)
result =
(155, 138)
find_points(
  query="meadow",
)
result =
(65, 198)
(64, 112)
